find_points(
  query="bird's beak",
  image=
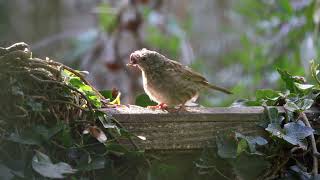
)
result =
(133, 59)
(130, 64)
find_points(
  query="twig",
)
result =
(65, 85)
(313, 145)
(77, 74)
(130, 139)
(277, 169)
(67, 102)
(220, 173)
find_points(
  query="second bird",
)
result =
(168, 82)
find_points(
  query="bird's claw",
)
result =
(160, 106)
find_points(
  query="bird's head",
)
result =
(145, 58)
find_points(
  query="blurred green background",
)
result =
(235, 44)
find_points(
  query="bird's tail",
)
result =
(211, 86)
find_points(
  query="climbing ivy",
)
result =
(288, 151)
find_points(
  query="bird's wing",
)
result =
(187, 73)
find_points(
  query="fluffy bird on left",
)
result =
(168, 82)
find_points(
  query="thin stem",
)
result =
(221, 174)
(130, 139)
(313, 145)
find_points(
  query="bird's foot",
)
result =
(180, 109)
(161, 106)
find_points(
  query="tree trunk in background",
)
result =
(33, 21)
(48, 26)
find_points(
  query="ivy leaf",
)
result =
(289, 80)
(273, 114)
(303, 87)
(77, 83)
(314, 71)
(305, 104)
(297, 130)
(242, 146)
(107, 94)
(42, 164)
(252, 142)
(227, 146)
(27, 137)
(297, 172)
(300, 105)
(36, 135)
(267, 94)
(275, 129)
(291, 106)
(293, 132)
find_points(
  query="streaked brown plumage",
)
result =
(167, 81)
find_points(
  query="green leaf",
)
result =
(273, 114)
(252, 142)
(305, 104)
(143, 100)
(303, 87)
(36, 135)
(289, 80)
(275, 129)
(300, 105)
(291, 106)
(297, 130)
(300, 172)
(42, 164)
(267, 94)
(227, 146)
(314, 71)
(242, 146)
(77, 83)
(27, 137)
(293, 132)
(107, 94)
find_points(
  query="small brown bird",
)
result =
(168, 82)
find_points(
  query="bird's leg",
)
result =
(161, 106)
(182, 108)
